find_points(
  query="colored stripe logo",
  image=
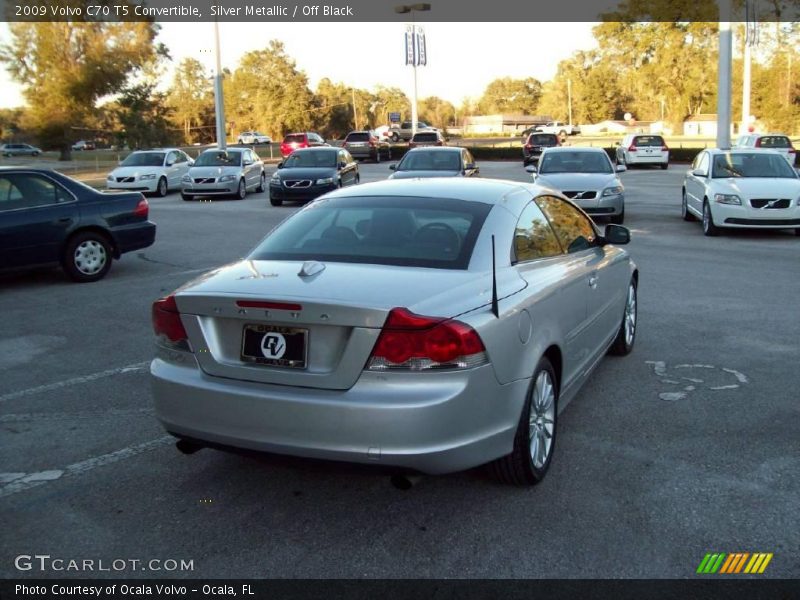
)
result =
(734, 563)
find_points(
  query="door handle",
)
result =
(593, 281)
(65, 220)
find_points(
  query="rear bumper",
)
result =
(657, 159)
(428, 422)
(134, 237)
(362, 152)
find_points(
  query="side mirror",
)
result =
(621, 168)
(617, 234)
(392, 167)
(342, 165)
(190, 162)
(531, 169)
(699, 173)
(280, 165)
(247, 163)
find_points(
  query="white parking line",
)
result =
(74, 381)
(84, 414)
(19, 482)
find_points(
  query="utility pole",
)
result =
(355, 116)
(416, 52)
(725, 73)
(219, 105)
(569, 100)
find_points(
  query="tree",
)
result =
(191, 100)
(508, 95)
(268, 93)
(437, 112)
(66, 67)
(334, 115)
(142, 117)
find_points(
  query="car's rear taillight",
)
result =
(528, 147)
(758, 143)
(142, 209)
(665, 148)
(417, 343)
(167, 323)
(631, 148)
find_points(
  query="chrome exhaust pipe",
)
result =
(187, 447)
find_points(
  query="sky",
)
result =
(462, 57)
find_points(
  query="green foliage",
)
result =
(66, 67)
(191, 102)
(142, 118)
(511, 96)
(436, 112)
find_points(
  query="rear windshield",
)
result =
(648, 140)
(427, 160)
(543, 139)
(775, 141)
(219, 159)
(362, 136)
(575, 162)
(425, 137)
(752, 164)
(144, 159)
(295, 138)
(403, 231)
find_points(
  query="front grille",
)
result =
(296, 184)
(204, 180)
(581, 195)
(125, 179)
(768, 222)
(599, 211)
(768, 203)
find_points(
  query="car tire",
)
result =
(162, 188)
(395, 138)
(241, 191)
(797, 231)
(35, 154)
(185, 197)
(241, 142)
(687, 216)
(536, 432)
(665, 166)
(357, 179)
(378, 156)
(262, 183)
(618, 219)
(709, 229)
(87, 257)
(388, 153)
(621, 160)
(626, 336)
(275, 201)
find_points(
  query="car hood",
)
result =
(578, 181)
(758, 187)
(418, 174)
(135, 171)
(213, 171)
(305, 172)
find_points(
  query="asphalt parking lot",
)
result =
(687, 446)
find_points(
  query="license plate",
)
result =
(275, 346)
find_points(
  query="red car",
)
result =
(293, 141)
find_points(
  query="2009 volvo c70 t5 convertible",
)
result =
(430, 325)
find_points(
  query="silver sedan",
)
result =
(585, 175)
(429, 325)
(232, 172)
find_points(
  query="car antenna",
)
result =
(495, 308)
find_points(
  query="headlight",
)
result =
(225, 178)
(325, 181)
(613, 191)
(110, 177)
(148, 176)
(275, 177)
(798, 202)
(727, 199)
(186, 179)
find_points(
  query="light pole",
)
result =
(414, 41)
(219, 105)
(724, 79)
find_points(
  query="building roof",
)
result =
(704, 117)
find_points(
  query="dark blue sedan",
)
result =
(310, 172)
(47, 218)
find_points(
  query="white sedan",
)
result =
(742, 188)
(153, 171)
(253, 137)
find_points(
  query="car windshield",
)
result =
(362, 136)
(312, 158)
(426, 160)
(403, 231)
(575, 162)
(219, 158)
(144, 159)
(648, 140)
(542, 139)
(752, 164)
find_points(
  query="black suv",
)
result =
(536, 142)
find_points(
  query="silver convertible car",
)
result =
(426, 325)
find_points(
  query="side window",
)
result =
(696, 161)
(172, 158)
(704, 163)
(468, 158)
(533, 236)
(29, 191)
(573, 229)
